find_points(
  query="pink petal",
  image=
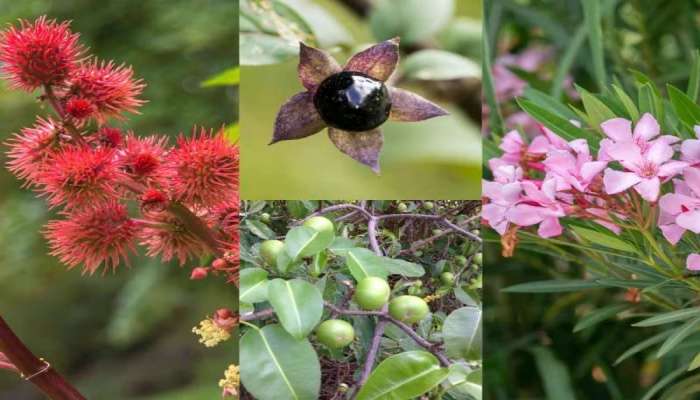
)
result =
(590, 169)
(659, 152)
(314, 66)
(690, 150)
(693, 262)
(378, 61)
(525, 215)
(617, 129)
(692, 179)
(550, 227)
(539, 145)
(409, 107)
(297, 119)
(363, 147)
(618, 181)
(647, 127)
(674, 203)
(649, 189)
(689, 220)
(672, 232)
(625, 152)
(512, 142)
(671, 168)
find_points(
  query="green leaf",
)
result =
(232, 133)
(276, 366)
(461, 332)
(546, 101)
(592, 18)
(686, 109)
(253, 285)
(603, 239)
(643, 345)
(695, 363)
(263, 49)
(403, 376)
(662, 383)
(632, 111)
(566, 60)
(556, 123)
(694, 80)
(319, 263)
(230, 77)
(303, 241)
(554, 374)
(495, 117)
(598, 316)
(363, 263)
(260, 229)
(328, 31)
(298, 305)
(341, 245)
(434, 64)
(553, 286)
(596, 110)
(672, 316)
(678, 336)
(395, 266)
(650, 101)
(409, 19)
(464, 381)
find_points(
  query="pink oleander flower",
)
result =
(690, 149)
(30, 150)
(111, 89)
(539, 205)
(507, 84)
(204, 169)
(547, 141)
(40, 53)
(93, 236)
(80, 176)
(693, 262)
(647, 163)
(353, 101)
(680, 211)
(573, 168)
(502, 195)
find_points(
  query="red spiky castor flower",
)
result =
(79, 176)
(169, 238)
(109, 136)
(92, 236)
(204, 169)
(110, 88)
(153, 201)
(40, 53)
(142, 158)
(79, 108)
(30, 149)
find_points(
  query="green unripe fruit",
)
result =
(461, 260)
(270, 250)
(372, 293)
(447, 278)
(402, 207)
(322, 225)
(428, 205)
(265, 217)
(335, 333)
(415, 291)
(408, 309)
(478, 258)
(437, 232)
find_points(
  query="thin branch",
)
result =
(67, 124)
(339, 207)
(430, 346)
(371, 354)
(33, 369)
(267, 313)
(196, 226)
(372, 233)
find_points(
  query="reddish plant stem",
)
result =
(49, 382)
(371, 354)
(195, 225)
(67, 124)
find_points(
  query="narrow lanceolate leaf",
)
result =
(643, 345)
(556, 123)
(596, 110)
(592, 17)
(599, 316)
(662, 383)
(632, 111)
(553, 286)
(686, 109)
(276, 366)
(695, 363)
(678, 336)
(253, 285)
(672, 316)
(298, 305)
(694, 80)
(403, 376)
(230, 77)
(554, 374)
(363, 263)
(462, 333)
(303, 241)
(604, 239)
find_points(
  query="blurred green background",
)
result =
(436, 159)
(127, 334)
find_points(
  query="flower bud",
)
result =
(199, 273)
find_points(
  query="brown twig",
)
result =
(34, 369)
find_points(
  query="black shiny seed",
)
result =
(352, 101)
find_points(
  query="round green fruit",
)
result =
(402, 207)
(335, 333)
(322, 225)
(461, 260)
(428, 205)
(265, 217)
(478, 258)
(270, 250)
(409, 309)
(447, 278)
(372, 293)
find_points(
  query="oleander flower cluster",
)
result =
(638, 175)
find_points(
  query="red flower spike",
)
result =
(142, 158)
(40, 53)
(110, 88)
(110, 137)
(80, 176)
(93, 236)
(153, 200)
(79, 108)
(199, 273)
(30, 149)
(173, 240)
(204, 169)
